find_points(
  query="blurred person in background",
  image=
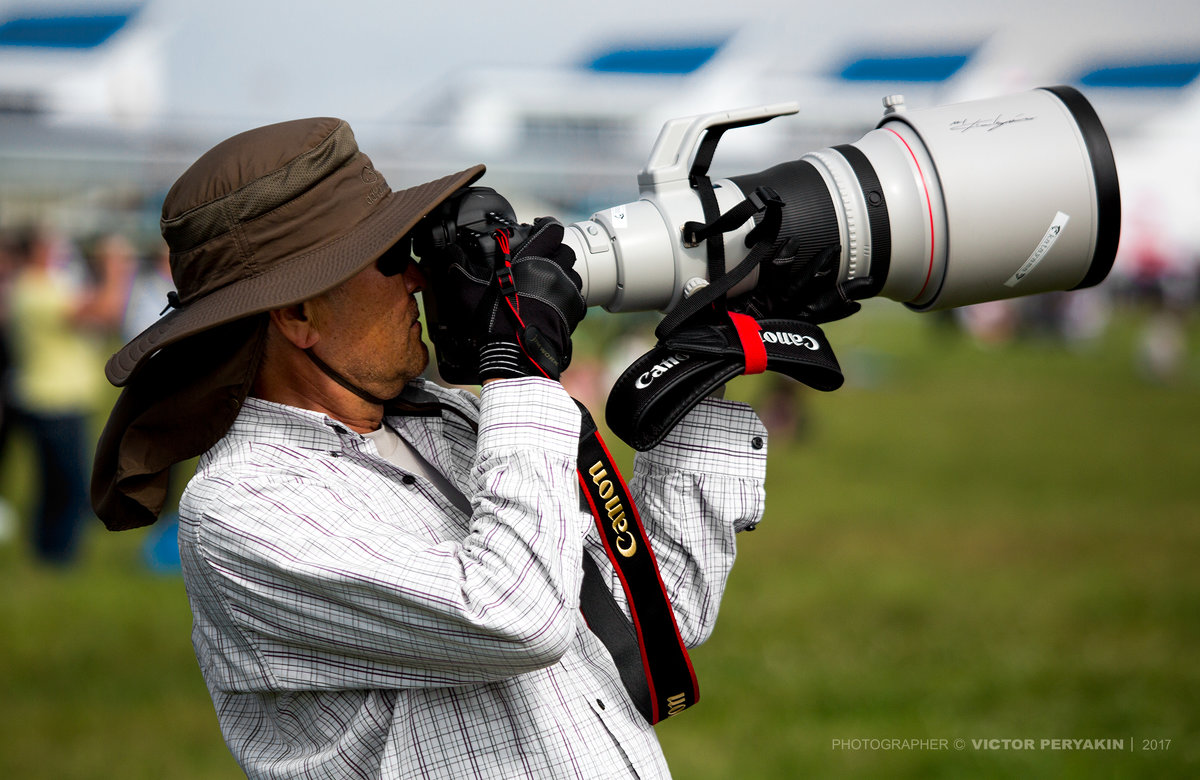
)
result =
(1161, 274)
(10, 252)
(58, 313)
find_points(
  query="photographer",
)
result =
(385, 575)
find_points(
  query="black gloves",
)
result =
(509, 315)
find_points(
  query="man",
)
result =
(385, 574)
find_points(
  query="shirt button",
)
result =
(757, 442)
(601, 703)
(408, 479)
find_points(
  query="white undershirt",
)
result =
(395, 450)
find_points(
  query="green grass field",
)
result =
(966, 543)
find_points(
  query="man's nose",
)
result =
(414, 279)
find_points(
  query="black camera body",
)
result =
(469, 222)
(469, 219)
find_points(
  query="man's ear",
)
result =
(294, 324)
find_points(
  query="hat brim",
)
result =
(296, 279)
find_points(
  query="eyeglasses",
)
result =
(396, 260)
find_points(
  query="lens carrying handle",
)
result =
(763, 200)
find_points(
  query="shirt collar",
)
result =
(274, 422)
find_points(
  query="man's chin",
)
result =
(418, 364)
(422, 356)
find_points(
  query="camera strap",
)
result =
(648, 650)
(654, 393)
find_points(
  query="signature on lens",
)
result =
(988, 125)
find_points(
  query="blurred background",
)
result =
(991, 533)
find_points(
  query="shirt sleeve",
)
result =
(326, 593)
(694, 492)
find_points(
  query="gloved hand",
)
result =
(530, 308)
(805, 290)
(468, 314)
(456, 286)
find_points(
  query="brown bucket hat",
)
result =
(269, 218)
(272, 217)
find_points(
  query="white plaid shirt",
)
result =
(351, 622)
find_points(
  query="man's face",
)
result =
(370, 332)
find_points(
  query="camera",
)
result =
(935, 208)
(469, 219)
